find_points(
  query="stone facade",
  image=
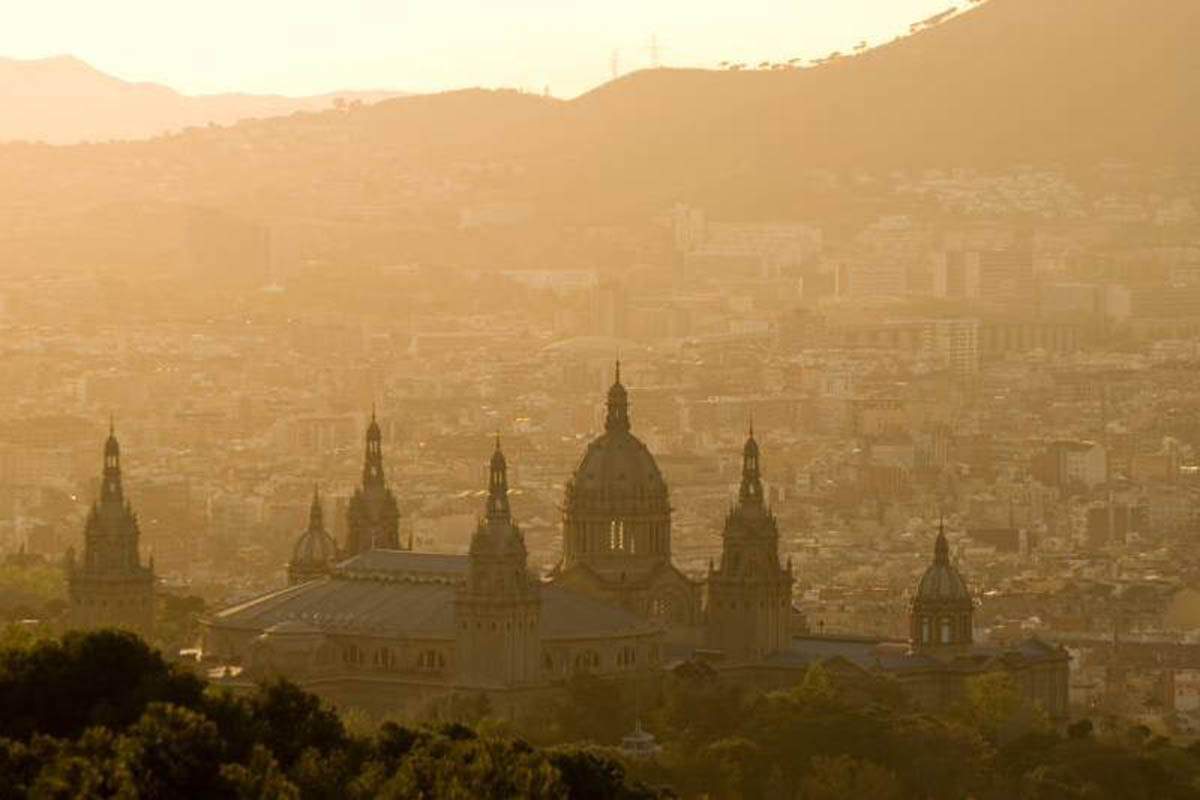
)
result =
(389, 630)
(749, 596)
(373, 516)
(109, 586)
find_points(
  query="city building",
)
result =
(373, 518)
(110, 586)
(388, 630)
(749, 596)
(617, 527)
(315, 552)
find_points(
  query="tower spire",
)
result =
(497, 502)
(617, 417)
(751, 490)
(373, 458)
(316, 517)
(941, 547)
(110, 485)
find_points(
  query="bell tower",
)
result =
(498, 610)
(373, 516)
(109, 586)
(750, 593)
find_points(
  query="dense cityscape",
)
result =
(422, 407)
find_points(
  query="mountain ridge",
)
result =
(64, 100)
(1060, 84)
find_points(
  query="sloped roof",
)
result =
(372, 603)
(403, 563)
(339, 604)
(884, 655)
(567, 615)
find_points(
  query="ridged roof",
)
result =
(410, 608)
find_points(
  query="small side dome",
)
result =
(315, 547)
(941, 581)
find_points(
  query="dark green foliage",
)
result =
(126, 725)
(591, 774)
(102, 716)
(60, 687)
(289, 721)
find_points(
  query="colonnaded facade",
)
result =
(374, 626)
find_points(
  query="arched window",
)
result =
(616, 535)
(925, 632)
(947, 634)
(627, 657)
(384, 658)
(353, 655)
(431, 661)
(587, 661)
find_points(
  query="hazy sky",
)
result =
(311, 46)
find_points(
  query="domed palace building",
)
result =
(390, 630)
(617, 528)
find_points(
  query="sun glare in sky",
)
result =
(313, 46)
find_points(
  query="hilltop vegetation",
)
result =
(102, 715)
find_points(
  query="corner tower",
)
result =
(497, 611)
(943, 611)
(109, 586)
(750, 593)
(373, 517)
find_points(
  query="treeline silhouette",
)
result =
(103, 715)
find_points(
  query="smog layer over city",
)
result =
(638, 400)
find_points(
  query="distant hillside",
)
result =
(1012, 82)
(63, 100)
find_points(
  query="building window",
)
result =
(947, 636)
(431, 661)
(353, 655)
(660, 607)
(587, 661)
(627, 657)
(384, 659)
(616, 535)
(925, 633)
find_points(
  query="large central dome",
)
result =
(616, 514)
(617, 472)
